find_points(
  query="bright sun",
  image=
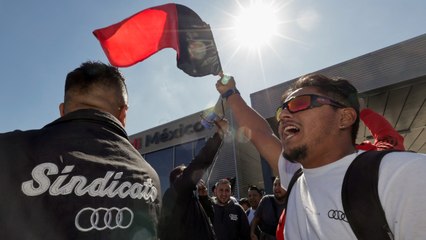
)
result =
(256, 25)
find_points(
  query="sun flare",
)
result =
(256, 25)
(256, 28)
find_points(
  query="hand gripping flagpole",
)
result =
(217, 112)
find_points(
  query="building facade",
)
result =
(178, 142)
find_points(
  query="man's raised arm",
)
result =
(254, 126)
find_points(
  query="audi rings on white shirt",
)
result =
(337, 215)
(100, 219)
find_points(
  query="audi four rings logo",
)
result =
(338, 215)
(102, 218)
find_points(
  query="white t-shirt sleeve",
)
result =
(402, 182)
(286, 170)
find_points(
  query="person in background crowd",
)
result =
(318, 124)
(230, 220)
(184, 214)
(244, 203)
(232, 182)
(268, 213)
(254, 196)
(205, 200)
(79, 177)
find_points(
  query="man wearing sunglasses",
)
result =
(318, 124)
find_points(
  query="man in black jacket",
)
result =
(79, 177)
(184, 214)
(230, 220)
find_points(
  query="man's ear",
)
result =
(122, 116)
(347, 118)
(61, 109)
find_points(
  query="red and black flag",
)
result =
(167, 26)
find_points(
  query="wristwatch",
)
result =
(230, 92)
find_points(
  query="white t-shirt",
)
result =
(251, 214)
(315, 208)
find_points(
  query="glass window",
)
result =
(183, 154)
(162, 162)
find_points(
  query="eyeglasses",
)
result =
(307, 101)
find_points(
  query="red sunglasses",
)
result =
(307, 101)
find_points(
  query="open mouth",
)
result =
(290, 131)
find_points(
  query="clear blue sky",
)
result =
(41, 41)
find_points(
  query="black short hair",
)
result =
(255, 188)
(175, 173)
(92, 73)
(223, 181)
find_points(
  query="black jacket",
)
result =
(77, 178)
(183, 215)
(230, 222)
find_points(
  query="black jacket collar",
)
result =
(94, 116)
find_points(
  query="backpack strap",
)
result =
(360, 197)
(274, 206)
(293, 180)
(281, 221)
